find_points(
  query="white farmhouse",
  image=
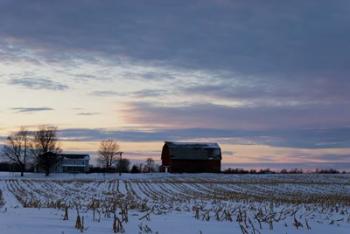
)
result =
(73, 163)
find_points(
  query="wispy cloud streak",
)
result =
(38, 83)
(31, 109)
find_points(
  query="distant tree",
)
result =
(96, 169)
(47, 161)
(17, 148)
(141, 167)
(157, 168)
(46, 147)
(5, 166)
(284, 171)
(295, 171)
(237, 171)
(108, 153)
(252, 171)
(135, 169)
(123, 165)
(266, 171)
(150, 165)
(327, 171)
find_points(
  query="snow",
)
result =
(320, 203)
(33, 221)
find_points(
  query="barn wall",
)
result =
(166, 160)
(195, 166)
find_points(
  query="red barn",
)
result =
(191, 157)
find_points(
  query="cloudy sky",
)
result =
(268, 80)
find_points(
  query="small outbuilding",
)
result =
(191, 157)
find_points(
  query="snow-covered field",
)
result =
(174, 203)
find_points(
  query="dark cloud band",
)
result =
(38, 83)
(31, 109)
(306, 138)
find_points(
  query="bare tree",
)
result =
(150, 165)
(47, 161)
(135, 169)
(17, 148)
(46, 147)
(123, 165)
(108, 153)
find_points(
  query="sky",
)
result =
(267, 80)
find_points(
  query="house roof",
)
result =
(193, 150)
(75, 156)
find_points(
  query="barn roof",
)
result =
(192, 144)
(193, 150)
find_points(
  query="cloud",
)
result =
(247, 118)
(305, 138)
(151, 75)
(324, 158)
(228, 153)
(272, 93)
(86, 77)
(149, 93)
(261, 53)
(88, 113)
(266, 39)
(139, 93)
(31, 109)
(38, 83)
(106, 93)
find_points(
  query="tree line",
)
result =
(41, 149)
(282, 171)
(24, 146)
